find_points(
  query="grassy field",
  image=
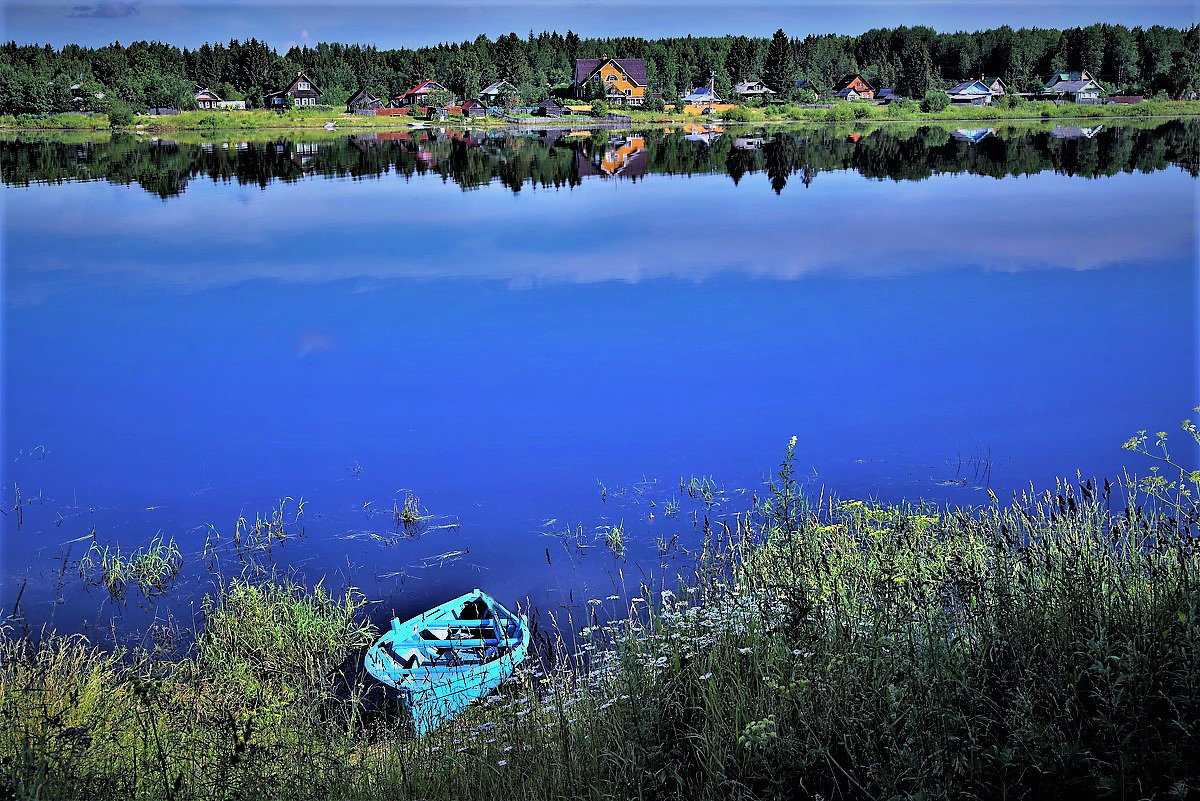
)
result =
(211, 121)
(1043, 648)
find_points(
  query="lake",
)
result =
(537, 336)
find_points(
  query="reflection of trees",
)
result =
(517, 160)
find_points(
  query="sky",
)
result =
(413, 24)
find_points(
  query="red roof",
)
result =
(423, 88)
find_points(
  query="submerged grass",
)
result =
(821, 649)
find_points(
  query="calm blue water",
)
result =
(348, 333)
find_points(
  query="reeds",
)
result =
(819, 648)
(151, 569)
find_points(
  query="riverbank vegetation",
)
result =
(1048, 646)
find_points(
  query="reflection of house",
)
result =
(620, 81)
(975, 93)
(857, 83)
(208, 99)
(416, 96)
(1074, 132)
(705, 134)
(748, 142)
(972, 135)
(753, 90)
(1078, 87)
(362, 100)
(624, 158)
(302, 153)
(495, 94)
(300, 92)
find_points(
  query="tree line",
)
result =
(1156, 60)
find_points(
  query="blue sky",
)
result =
(410, 24)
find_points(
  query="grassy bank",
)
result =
(842, 112)
(1048, 647)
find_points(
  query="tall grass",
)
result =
(819, 648)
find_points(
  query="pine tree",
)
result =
(779, 73)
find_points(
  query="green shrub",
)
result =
(935, 100)
(861, 111)
(841, 112)
(120, 115)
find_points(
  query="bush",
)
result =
(904, 105)
(806, 97)
(743, 115)
(120, 115)
(599, 108)
(841, 112)
(935, 100)
(861, 111)
(654, 104)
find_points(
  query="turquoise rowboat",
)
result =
(443, 659)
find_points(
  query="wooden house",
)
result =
(701, 96)
(474, 108)
(416, 95)
(887, 94)
(858, 84)
(847, 93)
(362, 100)
(300, 92)
(975, 93)
(620, 81)
(1076, 87)
(753, 90)
(208, 99)
(998, 87)
(552, 107)
(498, 93)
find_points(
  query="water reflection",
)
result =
(564, 158)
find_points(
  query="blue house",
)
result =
(974, 92)
(701, 96)
(804, 83)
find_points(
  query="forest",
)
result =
(1156, 61)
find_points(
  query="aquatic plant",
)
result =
(151, 569)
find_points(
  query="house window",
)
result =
(302, 85)
(610, 78)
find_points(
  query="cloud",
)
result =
(113, 9)
(314, 341)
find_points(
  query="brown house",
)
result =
(300, 92)
(858, 85)
(620, 81)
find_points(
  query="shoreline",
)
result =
(349, 123)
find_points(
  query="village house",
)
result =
(859, 86)
(498, 92)
(848, 93)
(620, 81)
(1077, 87)
(362, 100)
(701, 96)
(975, 93)
(300, 92)
(474, 108)
(552, 107)
(805, 84)
(886, 94)
(998, 87)
(208, 99)
(753, 90)
(416, 96)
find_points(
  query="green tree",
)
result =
(779, 72)
(935, 100)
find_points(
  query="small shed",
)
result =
(474, 108)
(362, 100)
(551, 107)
